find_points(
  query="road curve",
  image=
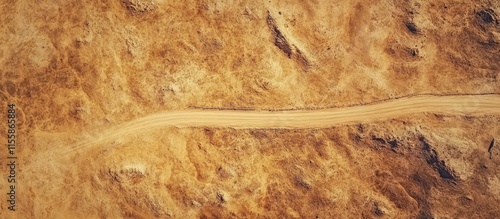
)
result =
(456, 104)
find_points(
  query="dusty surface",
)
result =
(77, 68)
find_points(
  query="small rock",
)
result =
(195, 203)
(221, 197)
(412, 27)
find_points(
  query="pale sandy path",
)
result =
(457, 104)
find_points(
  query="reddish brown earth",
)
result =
(77, 70)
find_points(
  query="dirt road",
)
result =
(457, 104)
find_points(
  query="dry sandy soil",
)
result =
(249, 109)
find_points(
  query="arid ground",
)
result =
(252, 109)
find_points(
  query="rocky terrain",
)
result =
(75, 69)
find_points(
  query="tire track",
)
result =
(298, 119)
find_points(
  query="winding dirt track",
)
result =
(456, 104)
